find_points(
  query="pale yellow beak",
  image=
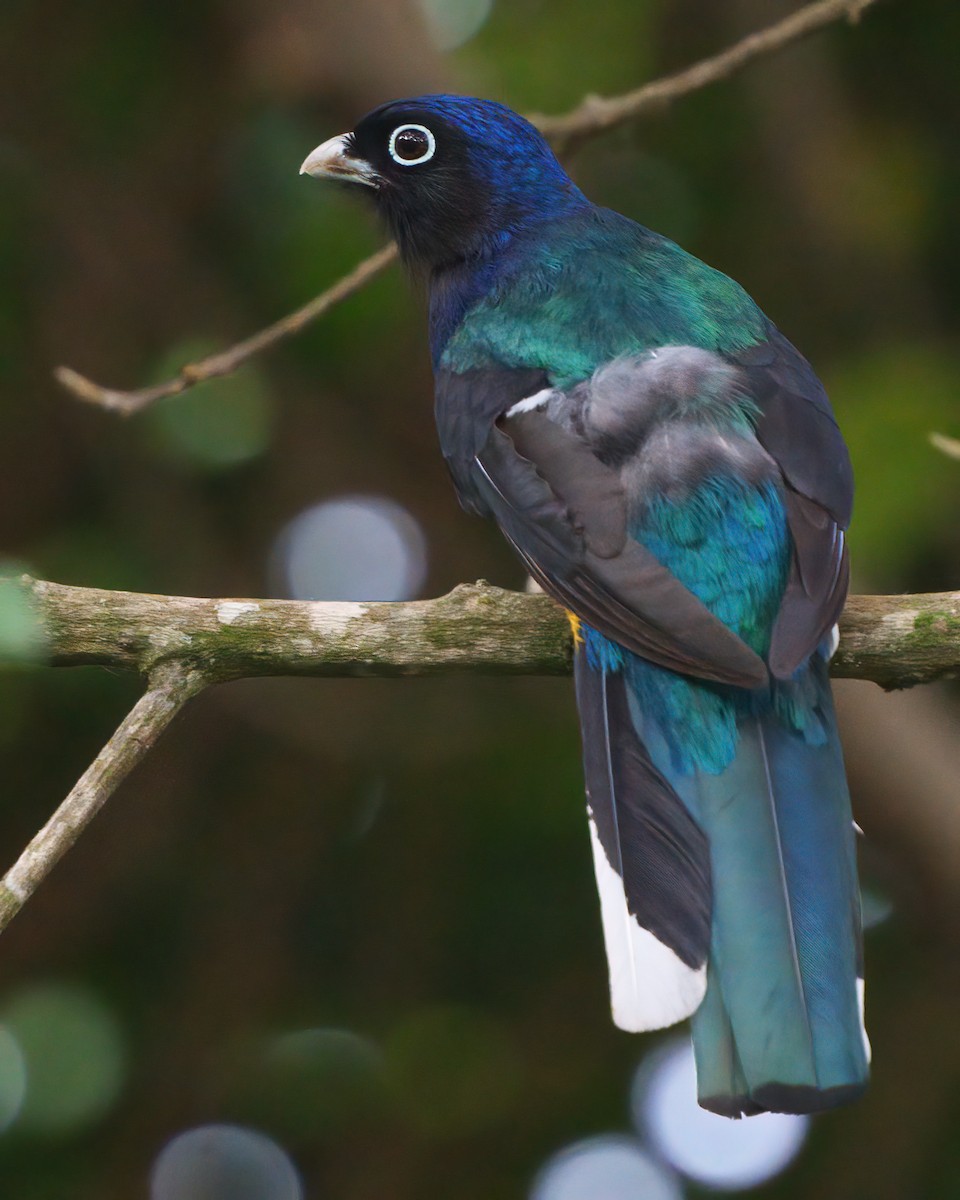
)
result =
(331, 161)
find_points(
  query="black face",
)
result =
(427, 187)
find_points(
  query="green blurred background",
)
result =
(358, 917)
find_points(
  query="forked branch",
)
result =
(183, 644)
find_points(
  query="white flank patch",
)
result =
(650, 987)
(861, 997)
(833, 641)
(229, 611)
(531, 403)
(330, 617)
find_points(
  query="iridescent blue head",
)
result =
(454, 177)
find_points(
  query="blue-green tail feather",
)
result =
(780, 1027)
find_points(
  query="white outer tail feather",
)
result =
(650, 987)
(861, 994)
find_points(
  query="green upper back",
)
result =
(569, 295)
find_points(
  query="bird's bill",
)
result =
(331, 160)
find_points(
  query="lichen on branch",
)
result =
(895, 641)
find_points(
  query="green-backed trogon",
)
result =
(668, 467)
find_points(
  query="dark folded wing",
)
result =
(467, 404)
(797, 428)
(652, 863)
(565, 512)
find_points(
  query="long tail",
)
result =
(652, 864)
(780, 1027)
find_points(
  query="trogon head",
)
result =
(453, 176)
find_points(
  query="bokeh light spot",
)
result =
(450, 23)
(224, 1162)
(605, 1168)
(215, 425)
(22, 637)
(876, 907)
(452, 1071)
(352, 548)
(321, 1078)
(724, 1154)
(13, 1078)
(73, 1054)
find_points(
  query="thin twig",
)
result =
(227, 361)
(168, 691)
(597, 114)
(593, 116)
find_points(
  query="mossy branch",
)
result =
(895, 641)
(182, 645)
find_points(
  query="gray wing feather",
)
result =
(566, 511)
(797, 427)
(565, 474)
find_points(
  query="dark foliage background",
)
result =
(406, 862)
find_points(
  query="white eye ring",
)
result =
(412, 162)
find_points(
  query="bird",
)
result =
(668, 468)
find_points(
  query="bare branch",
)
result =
(595, 115)
(169, 689)
(227, 361)
(896, 641)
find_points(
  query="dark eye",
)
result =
(411, 144)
